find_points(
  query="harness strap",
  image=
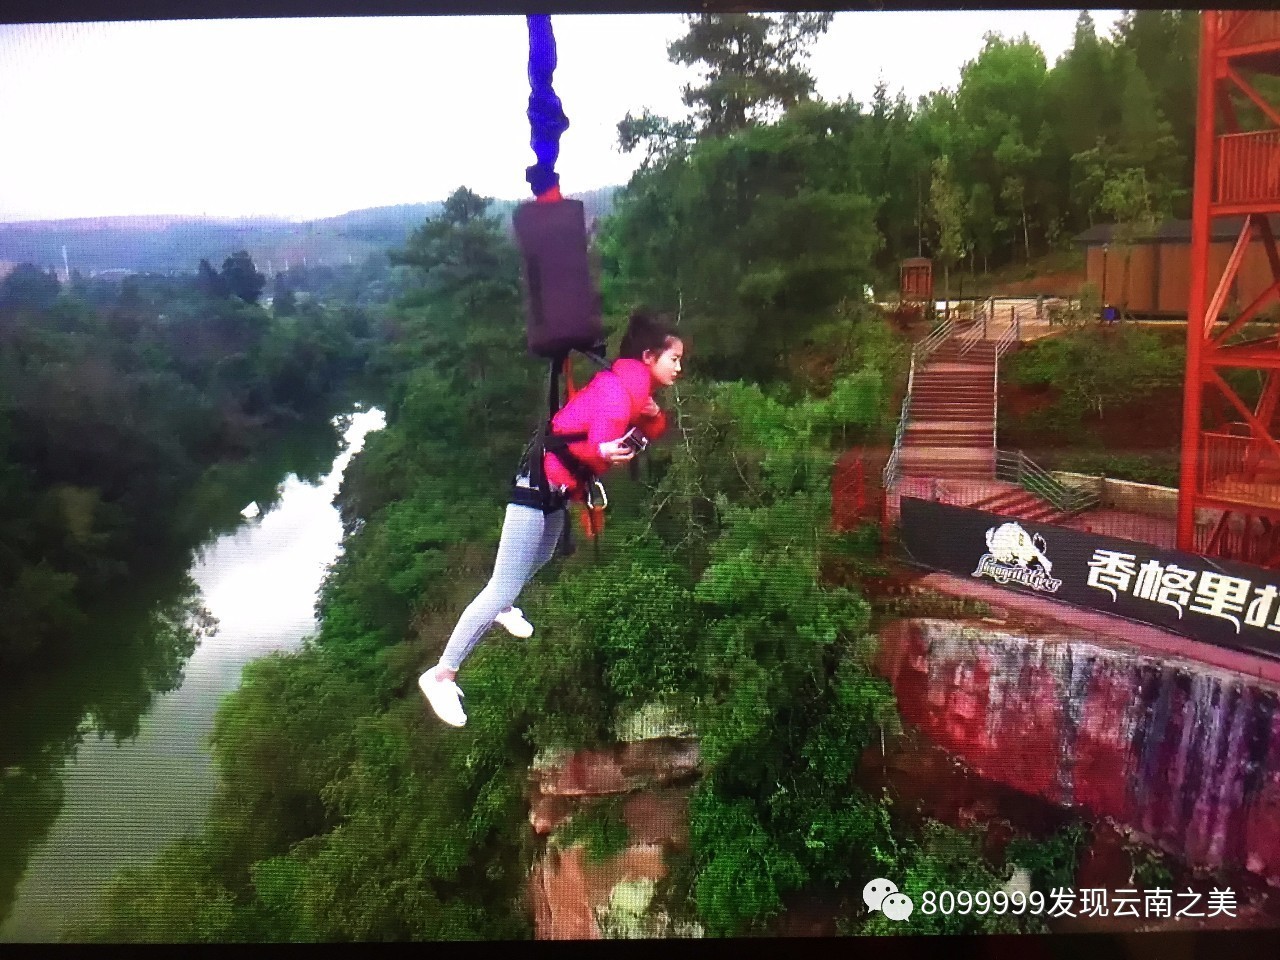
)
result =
(569, 389)
(539, 493)
(558, 443)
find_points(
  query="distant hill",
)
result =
(390, 225)
(177, 244)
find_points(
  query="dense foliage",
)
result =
(122, 408)
(1012, 163)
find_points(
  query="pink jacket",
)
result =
(605, 408)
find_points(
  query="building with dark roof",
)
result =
(1149, 274)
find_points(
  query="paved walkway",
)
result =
(1157, 531)
(1004, 310)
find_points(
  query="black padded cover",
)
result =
(562, 308)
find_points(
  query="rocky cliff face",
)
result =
(1184, 754)
(579, 897)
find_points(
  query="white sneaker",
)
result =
(444, 696)
(512, 620)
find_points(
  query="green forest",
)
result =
(127, 412)
(1010, 165)
(345, 810)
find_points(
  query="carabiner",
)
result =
(604, 499)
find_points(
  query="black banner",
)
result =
(1221, 602)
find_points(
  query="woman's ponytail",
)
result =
(646, 331)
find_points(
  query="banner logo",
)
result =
(1015, 556)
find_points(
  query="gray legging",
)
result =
(528, 541)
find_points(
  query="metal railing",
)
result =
(1239, 468)
(921, 351)
(1250, 27)
(976, 333)
(1002, 345)
(1015, 467)
(1249, 167)
(919, 354)
(1222, 457)
(1009, 338)
(965, 492)
(891, 476)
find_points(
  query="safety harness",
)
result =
(540, 494)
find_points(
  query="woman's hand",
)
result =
(615, 451)
(651, 408)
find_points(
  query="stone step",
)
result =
(937, 437)
(921, 462)
(1028, 508)
(1023, 505)
(1035, 513)
(966, 424)
(968, 441)
(947, 428)
(942, 404)
(946, 454)
(1003, 499)
(1044, 513)
(943, 445)
(976, 355)
(957, 366)
(927, 458)
(946, 467)
(950, 411)
(947, 471)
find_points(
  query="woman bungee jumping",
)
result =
(593, 431)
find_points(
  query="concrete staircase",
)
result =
(1017, 502)
(951, 428)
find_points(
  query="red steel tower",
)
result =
(1230, 455)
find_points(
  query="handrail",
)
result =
(934, 340)
(1001, 346)
(972, 336)
(995, 398)
(890, 475)
(920, 353)
(1017, 467)
(1006, 341)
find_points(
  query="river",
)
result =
(113, 787)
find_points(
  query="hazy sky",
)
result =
(311, 118)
